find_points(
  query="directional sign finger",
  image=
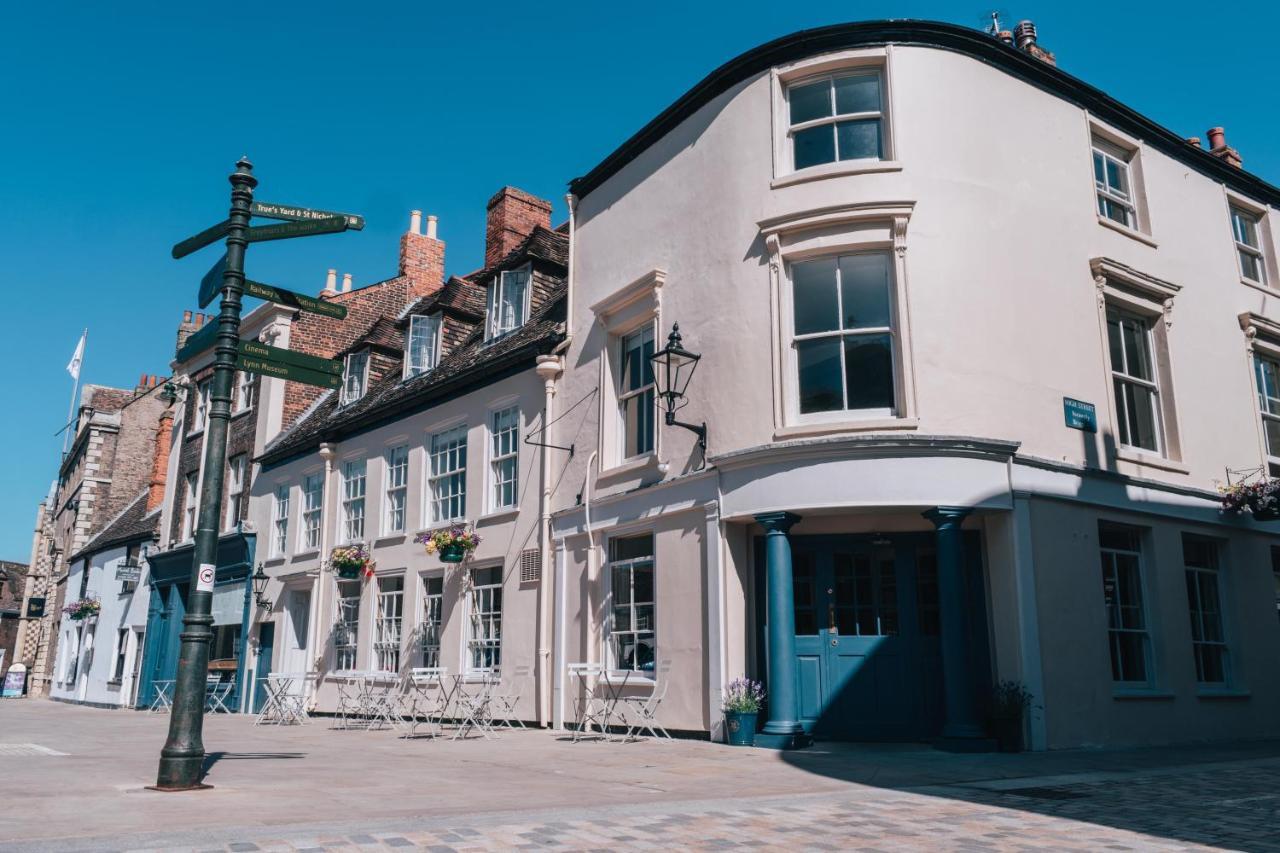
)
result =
(204, 238)
(285, 230)
(293, 212)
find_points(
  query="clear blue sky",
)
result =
(121, 121)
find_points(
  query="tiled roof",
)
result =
(391, 396)
(132, 524)
(459, 296)
(542, 243)
(382, 333)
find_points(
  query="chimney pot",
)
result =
(431, 227)
(1217, 137)
(346, 282)
(415, 222)
(1193, 140)
(1025, 34)
(186, 316)
(331, 282)
(1005, 36)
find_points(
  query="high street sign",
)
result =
(294, 213)
(285, 230)
(287, 371)
(253, 349)
(280, 296)
(212, 281)
(204, 238)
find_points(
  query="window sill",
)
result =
(1131, 233)
(1138, 457)
(640, 463)
(306, 555)
(274, 561)
(870, 424)
(1222, 693)
(114, 684)
(389, 539)
(615, 676)
(1140, 694)
(1257, 285)
(241, 412)
(835, 170)
(498, 515)
(195, 433)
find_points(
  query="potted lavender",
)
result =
(1260, 498)
(453, 544)
(742, 700)
(350, 561)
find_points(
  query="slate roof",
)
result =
(542, 243)
(381, 334)
(132, 524)
(392, 397)
(459, 296)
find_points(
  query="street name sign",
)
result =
(253, 349)
(1080, 415)
(280, 296)
(294, 213)
(204, 238)
(212, 281)
(128, 573)
(305, 228)
(288, 371)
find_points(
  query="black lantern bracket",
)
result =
(673, 367)
(260, 581)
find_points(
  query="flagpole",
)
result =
(75, 388)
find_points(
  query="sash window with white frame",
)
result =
(632, 633)
(353, 485)
(122, 648)
(836, 117)
(1267, 372)
(312, 505)
(1247, 230)
(200, 414)
(1134, 383)
(423, 348)
(508, 303)
(386, 644)
(1204, 598)
(447, 480)
(280, 522)
(843, 334)
(1122, 593)
(355, 376)
(636, 407)
(236, 470)
(189, 507)
(432, 618)
(1113, 183)
(244, 391)
(346, 630)
(397, 467)
(504, 431)
(484, 631)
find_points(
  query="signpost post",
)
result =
(182, 757)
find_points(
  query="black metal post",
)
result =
(183, 753)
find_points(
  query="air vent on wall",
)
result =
(530, 566)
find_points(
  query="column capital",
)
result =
(777, 522)
(947, 517)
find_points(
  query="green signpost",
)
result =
(198, 342)
(212, 282)
(302, 302)
(291, 212)
(183, 754)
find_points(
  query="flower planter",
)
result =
(453, 553)
(739, 728)
(1008, 733)
(79, 617)
(1268, 514)
(348, 573)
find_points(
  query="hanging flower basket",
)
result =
(352, 561)
(82, 609)
(1260, 498)
(453, 544)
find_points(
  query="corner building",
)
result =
(907, 253)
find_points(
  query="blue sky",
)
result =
(121, 122)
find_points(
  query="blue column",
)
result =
(783, 730)
(961, 723)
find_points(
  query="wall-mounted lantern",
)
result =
(260, 581)
(673, 367)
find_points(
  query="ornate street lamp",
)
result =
(673, 367)
(260, 581)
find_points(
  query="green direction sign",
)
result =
(294, 213)
(199, 341)
(293, 300)
(212, 281)
(288, 371)
(285, 230)
(204, 238)
(254, 349)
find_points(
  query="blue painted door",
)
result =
(266, 648)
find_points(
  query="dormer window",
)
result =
(508, 303)
(355, 376)
(422, 344)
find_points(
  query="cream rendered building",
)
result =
(911, 255)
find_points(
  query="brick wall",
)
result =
(510, 216)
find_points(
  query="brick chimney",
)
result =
(185, 330)
(1219, 148)
(160, 460)
(421, 257)
(1025, 39)
(511, 215)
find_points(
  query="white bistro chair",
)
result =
(505, 700)
(425, 700)
(641, 712)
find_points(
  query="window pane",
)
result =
(802, 578)
(859, 140)
(637, 369)
(621, 585)
(1099, 170)
(820, 379)
(642, 583)
(869, 371)
(1140, 427)
(860, 94)
(638, 414)
(814, 288)
(864, 290)
(1118, 177)
(631, 547)
(1114, 347)
(1245, 227)
(810, 101)
(1114, 210)
(1137, 352)
(815, 145)
(1250, 266)
(1272, 428)
(1119, 538)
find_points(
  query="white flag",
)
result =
(73, 366)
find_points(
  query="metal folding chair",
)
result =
(590, 706)
(350, 688)
(641, 712)
(164, 696)
(217, 691)
(381, 698)
(505, 700)
(425, 700)
(474, 696)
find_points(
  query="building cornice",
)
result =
(970, 42)
(869, 446)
